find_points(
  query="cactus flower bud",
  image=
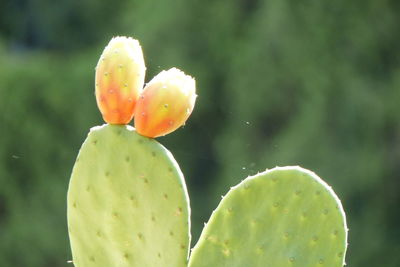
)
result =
(165, 103)
(119, 79)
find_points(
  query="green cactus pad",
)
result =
(127, 202)
(286, 216)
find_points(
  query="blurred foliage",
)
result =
(310, 83)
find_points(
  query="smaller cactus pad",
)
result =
(286, 216)
(127, 202)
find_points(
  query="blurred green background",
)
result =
(308, 82)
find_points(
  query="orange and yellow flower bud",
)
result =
(165, 103)
(119, 79)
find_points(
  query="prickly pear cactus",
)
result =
(127, 202)
(127, 199)
(283, 217)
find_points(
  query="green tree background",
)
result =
(280, 82)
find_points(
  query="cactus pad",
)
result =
(283, 217)
(127, 202)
